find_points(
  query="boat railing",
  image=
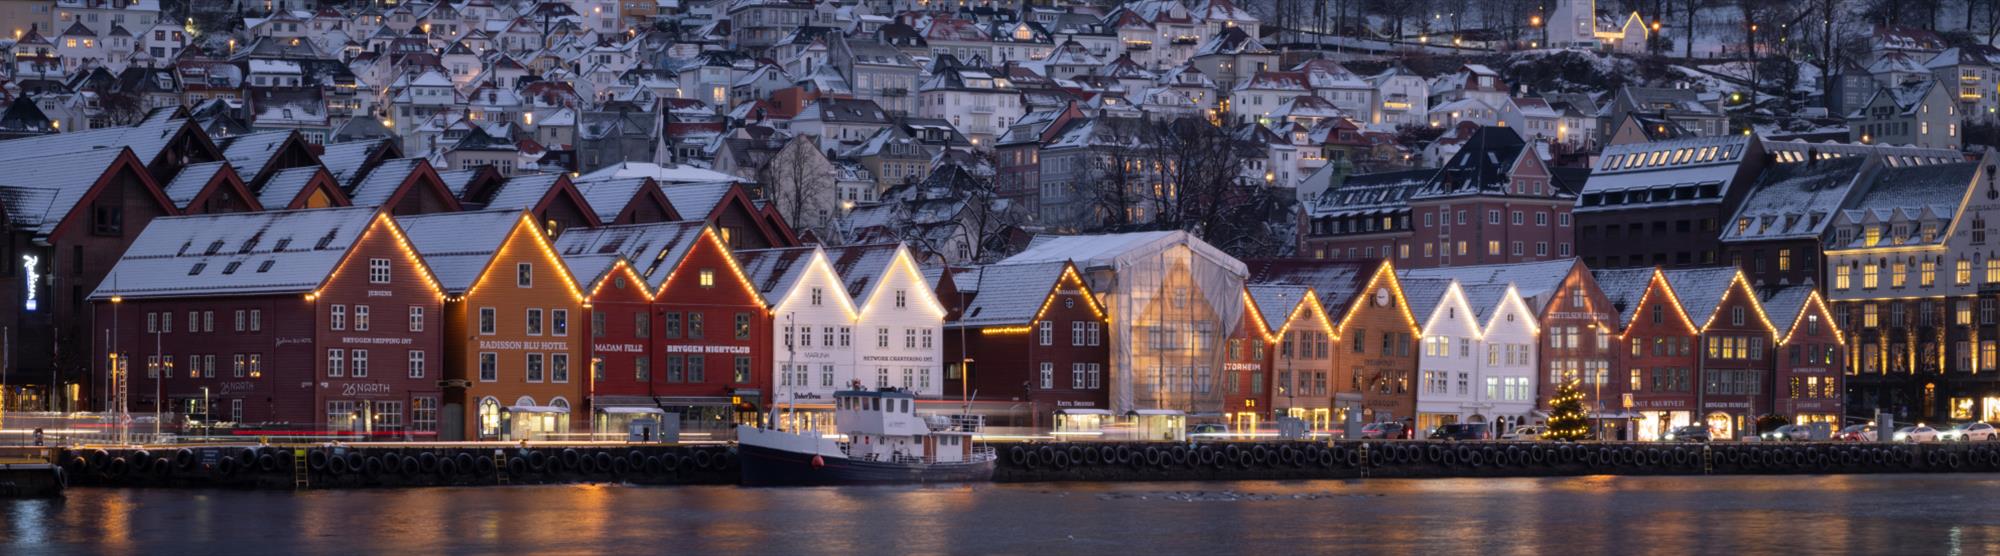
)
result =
(900, 457)
(983, 453)
(968, 423)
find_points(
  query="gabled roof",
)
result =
(612, 197)
(246, 253)
(1701, 290)
(774, 272)
(535, 192)
(1276, 302)
(1012, 294)
(44, 191)
(654, 249)
(289, 188)
(460, 246)
(386, 184)
(1625, 287)
(1537, 281)
(863, 267)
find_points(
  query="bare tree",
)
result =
(799, 181)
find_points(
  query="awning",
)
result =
(537, 409)
(1173, 412)
(1083, 411)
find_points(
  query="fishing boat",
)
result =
(883, 442)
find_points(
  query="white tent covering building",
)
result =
(1171, 298)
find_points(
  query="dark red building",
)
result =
(1030, 346)
(318, 320)
(1246, 397)
(711, 345)
(1737, 347)
(1811, 346)
(1659, 362)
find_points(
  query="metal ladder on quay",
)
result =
(301, 472)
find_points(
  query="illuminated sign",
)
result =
(34, 279)
(707, 349)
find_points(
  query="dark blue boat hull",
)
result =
(768, 467)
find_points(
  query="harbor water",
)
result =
(1866, 514)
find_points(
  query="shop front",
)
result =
(635, 423)
(1655, 415)
(1728, 422)
(1082, 421)
(1158, 424)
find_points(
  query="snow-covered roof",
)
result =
(653, 249)
(1625, 287)
(191, 180)
(383, 181)
(285, 186)
(1667, 164)
(773, 271)
(458, 246)
(1275, 302)
(248, 253)
(1009, 294)
(1700, 290)
(662, 174)
(1794, 200)
(1782, 305)
(1536, 281)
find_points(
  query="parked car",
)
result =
(1787, 433)
(1915, 433)
(1963, 432)
(1461, 431)
(1389, 430)
(1856, 433)
(1690, 433)
(1530, 432)
(1209, 428)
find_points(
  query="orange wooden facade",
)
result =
(516, 341)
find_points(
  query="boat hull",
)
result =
(764, 466)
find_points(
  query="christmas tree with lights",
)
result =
(1566, 417)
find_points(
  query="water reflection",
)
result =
(1627, 515)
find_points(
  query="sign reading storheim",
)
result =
(707, 349)
(517, 344)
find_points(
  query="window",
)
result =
(361, 317)
(416, 363)
(707, 278)
(416, 318)
(1046, 333)
(1048, 375)
(1964, 274)
(882, 336)
(534, 322)
(642, 368)
(743, 328)
(360, 360)
(559, 367)
(559, 322)
(536, 364)
(1736, 316)
(673, 327)
(694, 325)
(524, 275)
(336, 363)
(378, 271)
(489, 367)
(239, 320)
(423, 413)
(697, 368)
(487, 320)
(902, 299)
(741, 369)
(339, 319)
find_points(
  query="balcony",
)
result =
(895, 92)
(982, 109)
